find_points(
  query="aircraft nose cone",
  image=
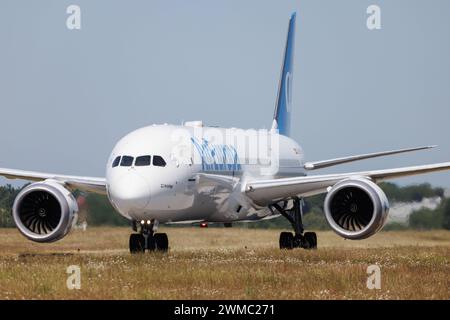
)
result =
(130, 192)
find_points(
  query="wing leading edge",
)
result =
(264, 192)
(90, 184)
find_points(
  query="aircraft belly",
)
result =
(214, 205)
(179, 206)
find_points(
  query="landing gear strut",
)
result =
(298, 239)
(147, 239)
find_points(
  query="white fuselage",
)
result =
(177, 188)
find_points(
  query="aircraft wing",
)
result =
(332, 162)
(264, 192)
(90, 184)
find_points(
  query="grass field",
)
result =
(229, 263)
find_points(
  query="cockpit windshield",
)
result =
(159, 161)
(116, 162)
(141, 161)
(127, 161)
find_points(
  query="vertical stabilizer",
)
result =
(283, 109)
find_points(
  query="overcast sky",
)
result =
(66, 96)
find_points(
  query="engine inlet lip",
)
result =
(362, 184)
(44, 187)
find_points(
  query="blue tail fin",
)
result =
(282, 117)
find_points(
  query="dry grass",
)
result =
(225, 264)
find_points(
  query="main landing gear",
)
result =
(298, 239)
(147, 239)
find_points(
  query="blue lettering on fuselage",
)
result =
(217, 157)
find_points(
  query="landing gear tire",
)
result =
(161, 241)
(137, 243)
(286, 240)
(310, 240)
(298, 239)
(147, 239)
(151, 243)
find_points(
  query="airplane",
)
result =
(193, 173)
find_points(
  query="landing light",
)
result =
(148, 222)
(142, 222)
(203, 225)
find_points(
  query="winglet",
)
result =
(282, 116)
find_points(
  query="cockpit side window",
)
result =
(142, 161)
(127, 161)
(116, 162)
(159, 161)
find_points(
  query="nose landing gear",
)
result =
(148, 239)
(288, 240)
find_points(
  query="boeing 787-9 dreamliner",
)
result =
(193, 173)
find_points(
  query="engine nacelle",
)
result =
(356, 208)
(45, 211)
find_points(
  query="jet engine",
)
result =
(356, 208)
(45, 211)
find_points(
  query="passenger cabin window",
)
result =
(116, 162)
(142, 161)
(127, 161)
(158, 161)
